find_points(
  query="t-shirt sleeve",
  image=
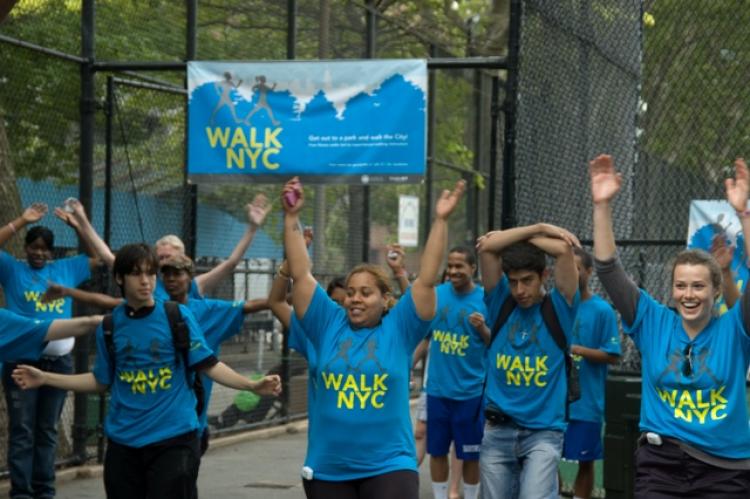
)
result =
(610, 335)
(199, 349)
(495, 298)
(566, 314)
(103, 369)
(22, 338)
(320, 315)
(646, 307)
(194, 292)
(77, 269)
(231, 317)
(407, 321)
(297, 339)
(6, 267)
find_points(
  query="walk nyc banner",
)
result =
(354, 121)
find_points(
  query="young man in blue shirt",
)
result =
(456, 374)
(153, 444)
(526, 380)
(595, 345)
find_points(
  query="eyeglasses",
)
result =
(687, 365)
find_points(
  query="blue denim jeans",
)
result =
(517, 462)
(32, 430)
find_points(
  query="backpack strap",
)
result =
(502, 317)
(571, 370)
(181, 342)
(553, 323)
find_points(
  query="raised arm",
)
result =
(277, 296)
(423, 289)
(295, 248)
(56, 291)
(566, 272)
(395, 258)
(225, 375)
(78, 326)
(256, 214)
(28, 377)
(88, 234)
(491, 244)
(737, 193)
(30, 215)
(723, 253)
(72, 222)
(605, 184)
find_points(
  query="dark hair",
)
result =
(468, 254)
(585, 256)
(337, 282)
(132, 256)
(382, 281)
(40, 231)
(523, 256)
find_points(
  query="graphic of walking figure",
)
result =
(342, 354)
(262, 89)
(224, 89)
(372, 346)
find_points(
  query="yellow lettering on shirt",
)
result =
(523, 370)
(451, 343)
(697, 406)
(54, 306)
(143, 381)
(356, 391)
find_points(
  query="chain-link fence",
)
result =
(138, 188)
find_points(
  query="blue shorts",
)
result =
(583, 441)
(460, 421)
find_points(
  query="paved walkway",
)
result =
(267, 467)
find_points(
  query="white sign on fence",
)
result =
(408, 221)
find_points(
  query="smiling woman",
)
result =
(33, 415)
(694, 404)
(363, 356)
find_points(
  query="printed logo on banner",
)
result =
(717, 219)
(352, 121)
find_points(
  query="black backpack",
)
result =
(553, 326)
(180, 340)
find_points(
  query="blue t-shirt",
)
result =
(457, 351)
(360, 411)
(219, 320)
(595, 327)
(526, 369)
(161, 294)
(24, 285)
(703, 403)
(150, 398)
(301, 344)
(22, 338)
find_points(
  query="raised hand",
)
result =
(34, 213)
(67, 218)
(395, 257)
(28, 377)
(605, 181)
(737, 187)
(258, 209)
(268, 385)
(448, 200)
(293, 190)
(721, 251)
